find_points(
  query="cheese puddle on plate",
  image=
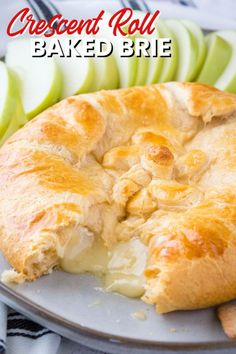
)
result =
(121, 267)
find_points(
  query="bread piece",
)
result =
(153, 163)
(227, 316)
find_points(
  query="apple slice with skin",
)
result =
(10, 101)
(19, 110)
(149, 69)
(77, 75)
(16, 122)
(161, 69)
(12, 128)
(142, 70)
(168, 65)
(103, 73)
(142, 62)
(155, 64)
(77, 72)
(40, 79)
(227, 81)
(127, 66)
(106, 76)
(156, 69)
(219, 52)
(17, 117)
(197, 33)
(7, 98)
(187, 51)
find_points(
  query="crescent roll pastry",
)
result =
(137, 185)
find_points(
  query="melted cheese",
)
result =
(91, 257)
(125, 268)
(122, 266)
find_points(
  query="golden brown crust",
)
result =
(148, 161)
(205, 101)
(161, 155)
(192, 255)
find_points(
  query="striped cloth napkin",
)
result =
(19, 335)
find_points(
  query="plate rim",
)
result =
(75, 330)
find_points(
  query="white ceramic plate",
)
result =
(78, 308)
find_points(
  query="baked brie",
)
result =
(135, 185)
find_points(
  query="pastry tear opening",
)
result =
(121, 266)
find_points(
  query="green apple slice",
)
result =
(40, 78)
(77, 72)
(227, 81)
(168, 65)
(142, 62)
(12, 128)
(77, 75)
(161, 69)
(155, 64)
(127, 66)
(10, 100)
(142, 70)
(17, 117)
(106, 76)
(18, 105)
(187, 51)
(219, 52)
(7, 99)
(197, 33)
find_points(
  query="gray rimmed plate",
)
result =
(76, 307)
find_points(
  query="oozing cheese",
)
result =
(125, 268)
(92, 258)
(122, 266)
